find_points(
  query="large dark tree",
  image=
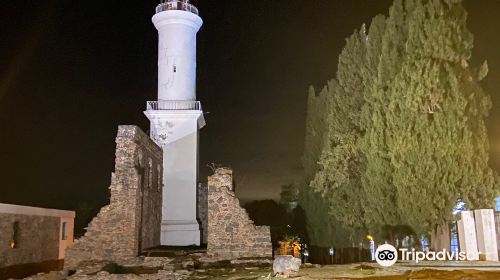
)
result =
(320, 225)
(435, 131)
(399, 136)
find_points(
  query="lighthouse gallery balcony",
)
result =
(183, 5)
(173, 105)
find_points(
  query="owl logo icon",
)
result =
(386, 255)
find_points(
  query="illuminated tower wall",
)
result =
(176, 118)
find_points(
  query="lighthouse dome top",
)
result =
(180, 5)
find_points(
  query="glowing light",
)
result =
(12, 244)
(369, 237)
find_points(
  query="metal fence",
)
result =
(173, 105)
(176, 5)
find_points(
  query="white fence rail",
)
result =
(173, 105)
(176, 5)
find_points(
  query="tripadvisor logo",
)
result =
(386, 255)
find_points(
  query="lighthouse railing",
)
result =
(173, 105)
(176, 5)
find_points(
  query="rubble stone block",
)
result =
(286, 265)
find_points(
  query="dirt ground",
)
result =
(372, 271)
(164, 268)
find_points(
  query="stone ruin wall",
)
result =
(231, 233)
(132, 220)
(202, 211)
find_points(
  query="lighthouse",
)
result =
(175, 119)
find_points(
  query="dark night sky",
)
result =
(72, 71)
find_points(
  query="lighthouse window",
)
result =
(175, 68)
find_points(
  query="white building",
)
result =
(176, 118)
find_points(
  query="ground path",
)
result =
(192, 266)
(400, 271)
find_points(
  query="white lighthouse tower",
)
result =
(176, 118)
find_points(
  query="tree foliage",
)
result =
(399, 135)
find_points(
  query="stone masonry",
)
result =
(231, 233)
(37, 239)
(132, 220)
(202, 211)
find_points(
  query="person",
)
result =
(304, 253)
